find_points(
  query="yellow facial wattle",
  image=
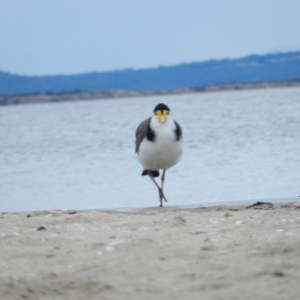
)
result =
(162, 115)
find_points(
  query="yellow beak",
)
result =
(162, 115)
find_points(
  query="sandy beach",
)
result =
(168, 253)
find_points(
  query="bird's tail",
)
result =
(154, 173)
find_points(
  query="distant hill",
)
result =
(250, 69)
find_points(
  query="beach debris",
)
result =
(28, 216)
(179, 220)
(72, 212)
(261, 205)
(200, 232)
(41, 228)
(238, 222)
(289, 205)
(219, 208)
(278, 274)
(227, 215)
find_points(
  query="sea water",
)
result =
(238, 145)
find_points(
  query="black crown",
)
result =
(161, 107)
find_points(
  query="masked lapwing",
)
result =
(158, 145)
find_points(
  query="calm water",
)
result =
(237, 146)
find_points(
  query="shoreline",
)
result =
(217, 252)
(117, 94)
(277, 202)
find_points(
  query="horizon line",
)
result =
(151, 68)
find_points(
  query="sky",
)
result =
(49, 37)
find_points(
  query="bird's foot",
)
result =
(161, 197)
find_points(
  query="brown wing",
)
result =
(178, 130)
(140, 133)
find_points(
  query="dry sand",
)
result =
(168, 253)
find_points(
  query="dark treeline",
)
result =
(250, 69)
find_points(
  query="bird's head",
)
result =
(161, 111)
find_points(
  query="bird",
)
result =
(158, 145)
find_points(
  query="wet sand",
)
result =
(169, 253)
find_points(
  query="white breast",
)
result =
(165, 151)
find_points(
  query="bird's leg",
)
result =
(160, 191)
(162, 182)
